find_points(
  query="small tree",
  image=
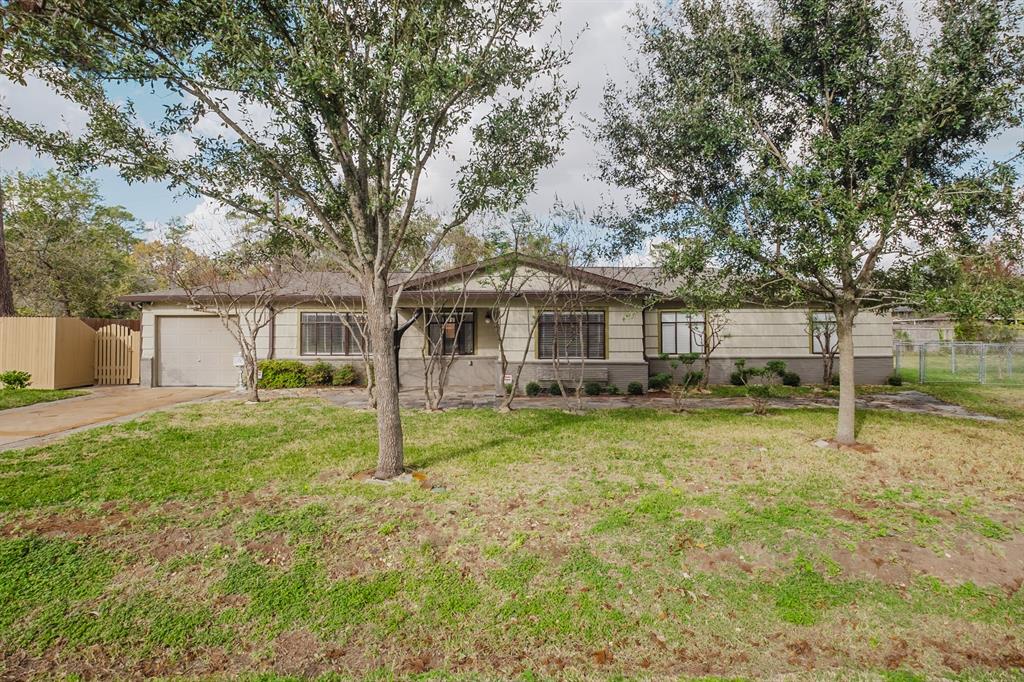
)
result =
(244, 287)
(822, 332)
(440, 351)
(683, 385)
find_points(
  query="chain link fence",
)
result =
(960, 362)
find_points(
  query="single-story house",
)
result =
(615, 323)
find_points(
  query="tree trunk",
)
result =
(252, 380)
(390, 454)
(6, 292)
(845, 427)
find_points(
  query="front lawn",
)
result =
(222, 539)
(20, 397)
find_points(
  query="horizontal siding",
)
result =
(758, 332)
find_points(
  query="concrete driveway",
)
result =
(43, 422)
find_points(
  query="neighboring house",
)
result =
(627, 321)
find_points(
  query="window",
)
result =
(681, 333)
(330, 334)
(571, 335)
(451, 331)
(823, 333)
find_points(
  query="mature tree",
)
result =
(336, 108)
(69, 253)
(983, 292)
(817, 142)
(7, 308)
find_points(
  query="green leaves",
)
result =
(336, 108)
(813, 142)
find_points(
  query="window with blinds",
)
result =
(331, 334)
(571, 335)
(451, 331)
(681, 333)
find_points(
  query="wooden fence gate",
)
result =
(117, 355)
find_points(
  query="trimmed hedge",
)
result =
(533, 389)
(283, 374)
(660, 381)
(635, 388)
(592, 388)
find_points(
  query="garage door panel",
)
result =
(195, 351)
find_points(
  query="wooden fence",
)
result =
(64, 352)
(117, 355)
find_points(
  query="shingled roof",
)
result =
(320, 285)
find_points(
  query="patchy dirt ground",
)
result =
(225, 540)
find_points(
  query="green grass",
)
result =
(229, 540)
(20, 397)
(1000, 369)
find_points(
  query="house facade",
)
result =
(609, 325)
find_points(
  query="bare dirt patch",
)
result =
(897, 562)
(749, 557)
(272, 549)
(299, 653)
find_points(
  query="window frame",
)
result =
(444, 313)
(689, 324)
(348, 322)
(585, 354)
(812, 323)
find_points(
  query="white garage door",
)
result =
(195, 351)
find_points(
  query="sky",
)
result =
(602, 51)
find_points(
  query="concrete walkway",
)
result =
(914, 402)
(42, 422)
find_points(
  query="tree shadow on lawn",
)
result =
(540, 421)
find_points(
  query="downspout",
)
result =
(643, 334)
(272, 344)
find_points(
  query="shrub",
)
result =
(895, 379)
(835, 379)
(790, 379)
(344, 375)
(736, 378)
(613, 390)
(509, 388)
(15, 378)
(319, 374)
(660, 381)
(592, 388)
(693, 378)
(635, 388)
(776, 367)
(533, 389)
(555, 389)
(282, 374)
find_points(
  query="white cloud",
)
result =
(37, 103)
